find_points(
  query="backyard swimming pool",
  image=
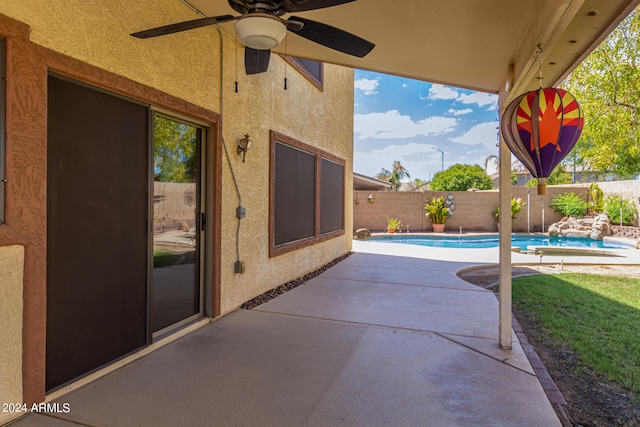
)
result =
(492, 241)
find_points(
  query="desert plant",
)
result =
(596, 198)
(612, 205)
(516, 206)
(437, 211)
(394, 223)
(568, 204)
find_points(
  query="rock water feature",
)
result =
(591, 227)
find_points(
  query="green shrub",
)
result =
(437, 211)
(612, 205)
(569, 204)
(596, 198)
(394, 223)
(516, 206)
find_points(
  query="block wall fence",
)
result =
(473, 209)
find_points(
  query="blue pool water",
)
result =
(491, 241)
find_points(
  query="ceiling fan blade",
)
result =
(182, 26)
(256, 61)
(332, 37)
(294, 25)
(303, 5)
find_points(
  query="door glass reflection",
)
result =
(176, 290)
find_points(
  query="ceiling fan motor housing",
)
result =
(260, 31)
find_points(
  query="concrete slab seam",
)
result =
(483, 353)
(480, 289)
(376, 325)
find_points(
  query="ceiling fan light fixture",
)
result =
(260, 31)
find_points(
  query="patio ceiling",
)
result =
(462, 43)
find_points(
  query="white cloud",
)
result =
(460, 112)
(483, 133)
(367, 86)
(479, 98)
(442, 92)
(438, 91)
(419, 159)
(392, 124)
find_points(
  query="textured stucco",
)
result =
(97, 32)
(322, 119)
(25, 204)
(26, 138)
(88, 40)
(11, 272)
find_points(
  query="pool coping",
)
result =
(534, 249)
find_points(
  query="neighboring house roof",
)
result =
(411, 186)
(581, 175)
(363, 182)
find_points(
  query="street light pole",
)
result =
(442, 155)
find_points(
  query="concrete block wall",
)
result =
(407, 206)
(629, 189)
(473, 209)
(176, 205)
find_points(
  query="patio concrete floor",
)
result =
(377, 340)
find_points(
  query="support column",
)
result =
(505, 334)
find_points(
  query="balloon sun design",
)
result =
(540, 128)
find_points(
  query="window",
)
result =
(311, 70)
(3, 81)
(306, 195)
(331, 196)
(294, 190)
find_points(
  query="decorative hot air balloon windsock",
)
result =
(540, 128)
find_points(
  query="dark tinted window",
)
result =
(331, 196)
(294, 194)
(306, 195)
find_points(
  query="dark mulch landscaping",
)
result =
(261, 299)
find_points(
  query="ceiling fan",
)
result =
(261, 28)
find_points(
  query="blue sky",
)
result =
(403, 119)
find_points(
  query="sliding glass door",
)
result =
(177, 224)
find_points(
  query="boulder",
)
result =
(595, 228)
(362, 233)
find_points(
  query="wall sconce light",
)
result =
(371, 198)
(243, 145)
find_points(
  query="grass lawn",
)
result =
(597, 316)
(162, 258)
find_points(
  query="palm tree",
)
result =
(493, 160)
(394, 176)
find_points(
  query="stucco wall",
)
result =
(90, 41)
(322, 119)
(97, 32)
(11, 274)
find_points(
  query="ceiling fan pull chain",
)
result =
(286, 53)
(236, 53)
